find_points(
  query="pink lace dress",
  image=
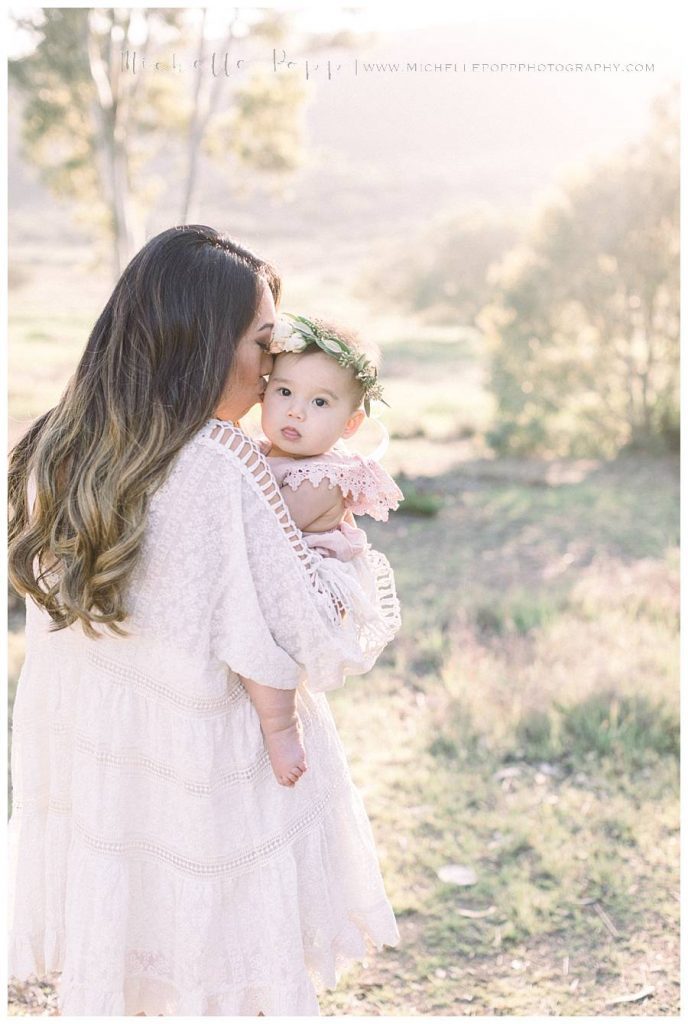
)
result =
(368, 489)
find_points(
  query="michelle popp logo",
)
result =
(223, 65)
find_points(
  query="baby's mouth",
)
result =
(290, 433)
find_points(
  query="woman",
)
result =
(154, 859)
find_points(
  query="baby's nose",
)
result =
(296, 411)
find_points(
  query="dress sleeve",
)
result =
(368, 489)
(301, 620)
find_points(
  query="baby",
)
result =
(318, 394)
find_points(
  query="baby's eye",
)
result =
(320, 402)
(285, 392)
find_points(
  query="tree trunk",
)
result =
(199, 121)
(112, 136)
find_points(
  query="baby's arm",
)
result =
(315, 508)
(281, 727)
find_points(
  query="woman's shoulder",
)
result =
(228, 446)
(215, 484)
(231, 458)
(210, 462)
(221, 436)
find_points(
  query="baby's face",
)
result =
(309, 404)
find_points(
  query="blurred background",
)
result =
(510, 240)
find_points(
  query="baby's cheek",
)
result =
(265, 406)
(266, 415)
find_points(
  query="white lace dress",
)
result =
(153, 858)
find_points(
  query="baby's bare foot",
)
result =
(286, 751)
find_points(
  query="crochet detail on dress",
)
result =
(220, 867)
(389, 602)
(130, 676)
(137, 761)
(367, 488)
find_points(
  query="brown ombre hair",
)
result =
(153, 371)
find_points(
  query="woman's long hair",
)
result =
(153, 371)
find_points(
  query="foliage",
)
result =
(583, 329)
(96, 125)
(57, 131)
(416, 503)
(624, 727)
(263, 127)
(83, 114)
(444, 271)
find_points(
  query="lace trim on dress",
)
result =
(389, 602)
(134, 760)
(366, 486)
(239, 446)
(220, 867)
(152, 687)
(41, 800)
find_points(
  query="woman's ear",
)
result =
(353, 423)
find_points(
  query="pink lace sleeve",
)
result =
(367, 488)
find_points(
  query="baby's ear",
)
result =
(353, 423)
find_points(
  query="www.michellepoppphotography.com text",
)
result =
(224, 65)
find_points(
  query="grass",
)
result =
(43, 353)
(529, 709)
(533, 693)
(434, 382)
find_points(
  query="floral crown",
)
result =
(294, 333)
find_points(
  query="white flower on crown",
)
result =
(285, 338)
